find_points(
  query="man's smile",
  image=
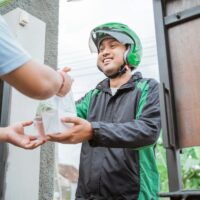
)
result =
(107, 60)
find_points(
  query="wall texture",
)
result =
(47, 11)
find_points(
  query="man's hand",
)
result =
(14, 134)
(67, 82)
(79, 132)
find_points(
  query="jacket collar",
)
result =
(105, 84)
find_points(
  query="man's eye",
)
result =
(100, 49)
(113, 45)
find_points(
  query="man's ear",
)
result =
(127, 67)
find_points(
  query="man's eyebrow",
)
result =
(111, 40)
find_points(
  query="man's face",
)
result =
(110, 56)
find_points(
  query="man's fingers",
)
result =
(55, 138)
(74, 120)
(59, 137)
(66, 69)
(26, 123)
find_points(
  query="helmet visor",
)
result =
(96, 37)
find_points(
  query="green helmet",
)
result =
(121, 33)
(4, 2)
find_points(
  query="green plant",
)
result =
(161, 164)
(4, 2)
(190, 164)
(190, 167)
(68, 194)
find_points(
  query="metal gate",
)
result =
(178, 42)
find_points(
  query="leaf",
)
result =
(4, 2)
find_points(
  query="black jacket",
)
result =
(118, 163)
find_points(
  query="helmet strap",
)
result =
(121, 71)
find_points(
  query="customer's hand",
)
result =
(67, 82)
(79, 132)
(15, 135)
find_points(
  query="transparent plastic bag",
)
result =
(49, 114)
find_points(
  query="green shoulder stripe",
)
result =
(149, 180)
(144, 87)
(82, 106)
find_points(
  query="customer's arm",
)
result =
(38, 81)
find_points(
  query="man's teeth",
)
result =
(107, 60)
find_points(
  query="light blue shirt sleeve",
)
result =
(12, 55)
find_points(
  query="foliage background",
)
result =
(190, 167)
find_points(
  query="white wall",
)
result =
(23, 166)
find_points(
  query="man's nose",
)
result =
(106, 51)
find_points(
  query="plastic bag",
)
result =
(50, 111)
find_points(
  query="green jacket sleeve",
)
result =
(83, 104)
